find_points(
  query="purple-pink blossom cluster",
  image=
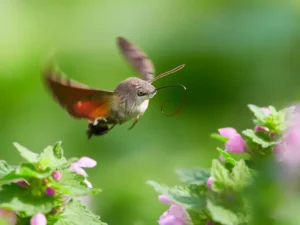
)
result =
(175, 215)
(83, 162)
(235, 142)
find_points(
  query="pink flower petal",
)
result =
(167, 220)
(222, 159)
(86, 162)
(76, 168)
(164, 199)
(38, 219)
(210, 180)
(175, 215)
(236, 144)
(266, 110)
(227, 132)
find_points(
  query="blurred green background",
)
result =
(236, 53)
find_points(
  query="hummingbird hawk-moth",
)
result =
(104, 109)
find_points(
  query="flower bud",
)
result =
(45, 181)
(38, 219)
(209, 182)
(22, 183)
(56, 175)
(164, 199)
(261, 129)
(50, 191)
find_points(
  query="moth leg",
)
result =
(135, 121)
(98, 130)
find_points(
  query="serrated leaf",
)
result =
(241, 175)
(272, 110)
(48, 159)
(16, 198)
(221, 176)
(72, 184)
(58, 150)
(222, 215)
(196, 176)
(226, 156)
(197, 218)
(25, 171)
(181, 196)
(219, 137)
(256, 139)
(258, 112)
(4, 168)
(26, 154)
(76, 213)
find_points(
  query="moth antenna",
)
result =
(168, 72)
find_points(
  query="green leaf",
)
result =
(197, 218)
(4, 168)
(219, 137)
(58, 150)
(256, 139)
(72, 184)
(16, 198)
(48, 159)
(222, 215)
(273, 110)
(26, 154)
(221, 176)
(241, 175)
(226, 156)
(196, 176)
(26, 171)
(181, 196)
(258, 112)
(76, 213)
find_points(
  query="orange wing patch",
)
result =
(91, 109)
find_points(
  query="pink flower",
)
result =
(235, 142)
(175, 215)
(288, 150)
(210, 223)
(38, 219)
(8, 216)
(266, 110)
(56, 175)
(86, 163)
(210, 180)
(50, 191)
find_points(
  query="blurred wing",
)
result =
(78, 99)
(137, 59)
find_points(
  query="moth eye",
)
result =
(140, 93)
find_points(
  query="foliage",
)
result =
(237, 191)
(31, 188)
